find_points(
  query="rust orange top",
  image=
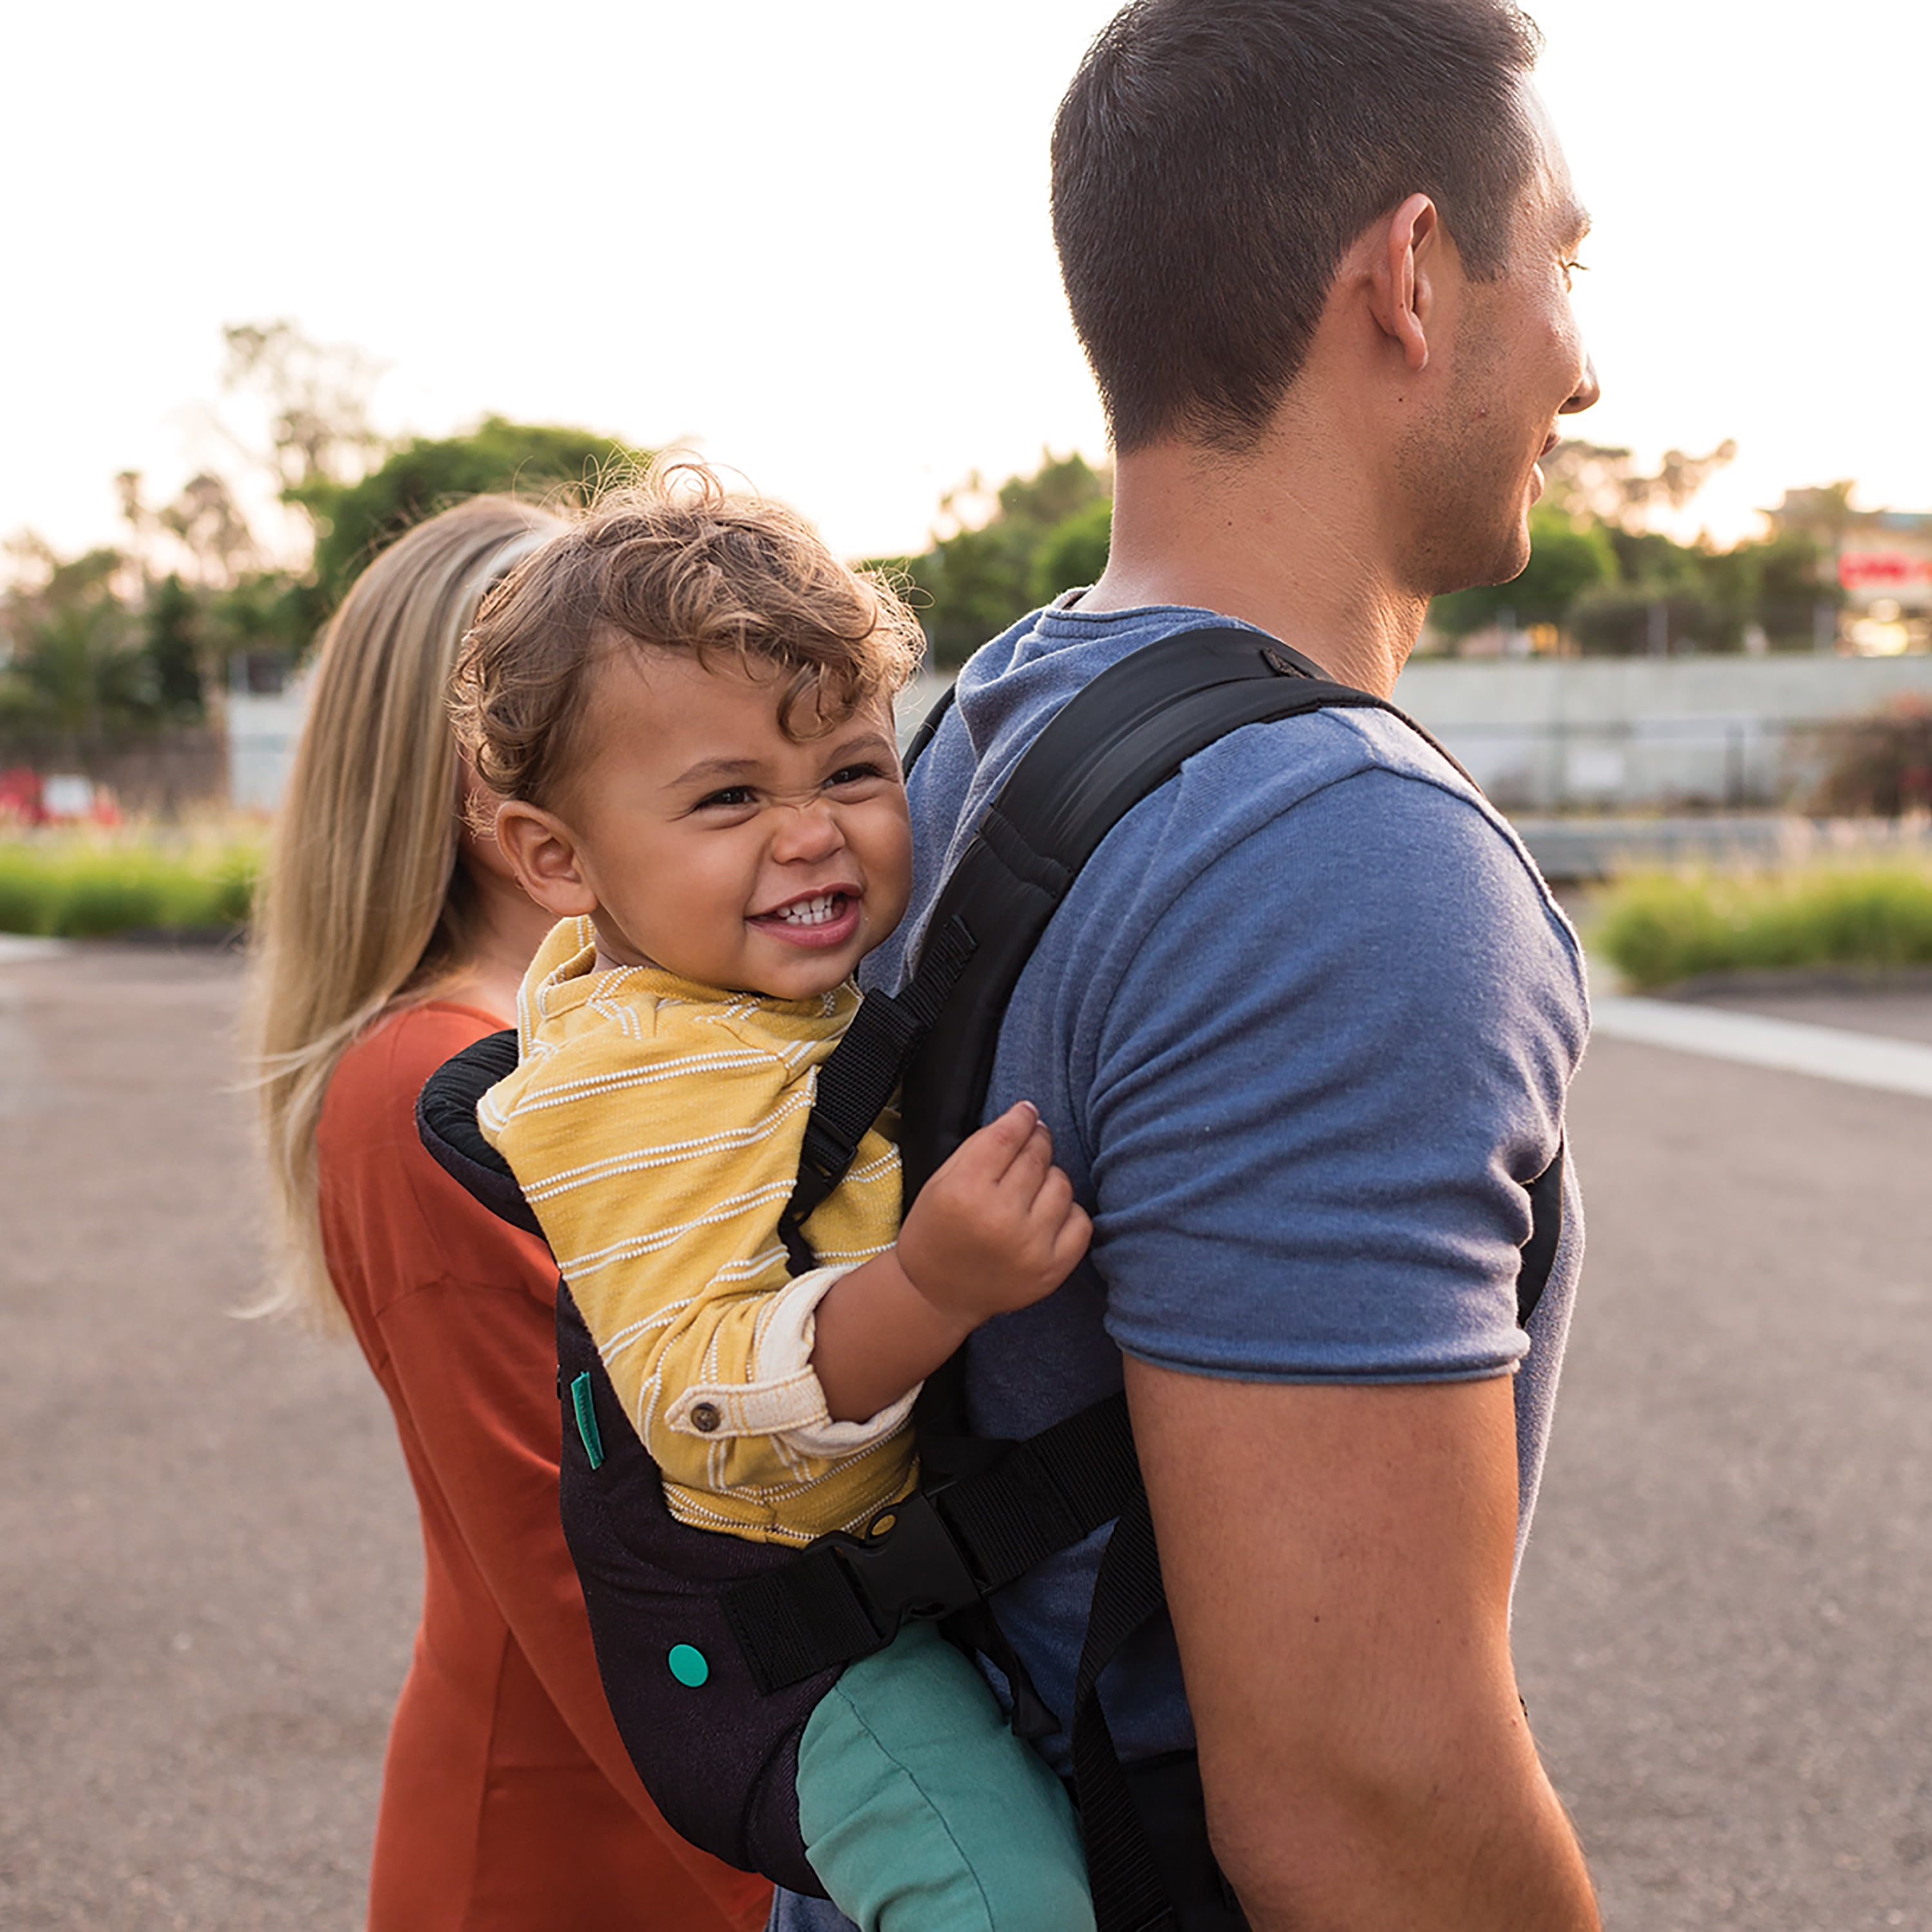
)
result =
(508, 1802)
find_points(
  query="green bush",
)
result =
(83, 888)
(1658, 927)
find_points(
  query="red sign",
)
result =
(1882, 569)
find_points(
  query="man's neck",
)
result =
(1296, 549)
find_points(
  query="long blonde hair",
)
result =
(363, 903)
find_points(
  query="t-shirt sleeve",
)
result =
(1321, 1061)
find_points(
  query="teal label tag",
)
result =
(586, 1419)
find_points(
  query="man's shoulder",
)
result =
(1365, 767)
(1339, 837)
(1011, 690)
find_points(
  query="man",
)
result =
(1303, 1027)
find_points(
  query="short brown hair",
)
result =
(676, 563)
(1213, 160)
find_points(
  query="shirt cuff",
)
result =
(781, 1396)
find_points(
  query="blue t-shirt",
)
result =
(1302, 1030)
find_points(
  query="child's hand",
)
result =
(998, 1227)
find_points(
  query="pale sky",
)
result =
(813, 239)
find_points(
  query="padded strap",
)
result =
(948, 1545)
(928, 726)
(446, 1125)
(858, 1078)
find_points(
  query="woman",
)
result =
(389, 936)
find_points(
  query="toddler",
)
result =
(685, 702)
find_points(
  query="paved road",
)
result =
(207, 1560)
(208, 1563)
(1726, 1616)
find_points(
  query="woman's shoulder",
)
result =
(408, 1045)
(388, 1211)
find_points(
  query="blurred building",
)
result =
(1884, 564)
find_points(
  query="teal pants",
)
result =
(921, 1812)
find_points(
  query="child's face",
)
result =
(717, 847)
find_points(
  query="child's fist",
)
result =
(998, 1227)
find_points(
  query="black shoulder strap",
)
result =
(1116, 740)
(446, 1125)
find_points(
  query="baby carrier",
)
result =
(713, 1650)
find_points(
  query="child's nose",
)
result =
(809, 831)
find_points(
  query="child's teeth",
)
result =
(809, 912)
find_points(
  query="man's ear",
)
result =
(542, 851)
(1407, 260)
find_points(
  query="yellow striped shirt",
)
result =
(655, 1125)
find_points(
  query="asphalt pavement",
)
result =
(208, 1556)
(207, 1559)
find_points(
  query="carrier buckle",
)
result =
(913, 1568)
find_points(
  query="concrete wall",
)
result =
(1544, 734)
(1538, 734)
(262, 732)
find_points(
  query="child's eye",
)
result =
(846, 775)
(729, 795)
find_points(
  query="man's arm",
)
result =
(1337, 1562)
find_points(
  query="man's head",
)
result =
(1238, 183)
(685, 702)
(1214, 159)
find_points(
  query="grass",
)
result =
(1657, 927)
(99, 885)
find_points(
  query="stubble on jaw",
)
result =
(1459, 465)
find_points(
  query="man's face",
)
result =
(1515, 365)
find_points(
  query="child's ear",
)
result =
(542, 851)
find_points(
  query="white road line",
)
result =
(1790, 1046)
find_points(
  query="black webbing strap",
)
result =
(928, 727)
(858, 1078)
(942, 1550)
(1546, 1231)
(1130, 1893)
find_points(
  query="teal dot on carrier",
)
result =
(688, 1665)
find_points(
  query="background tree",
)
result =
(535, 459)
(173, 642)
(208, 523)
(1074, 552)
(994, 566)
(1617, 586)
(1594, 483)
(1879, 763)
(70, 657)
(319, 396)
